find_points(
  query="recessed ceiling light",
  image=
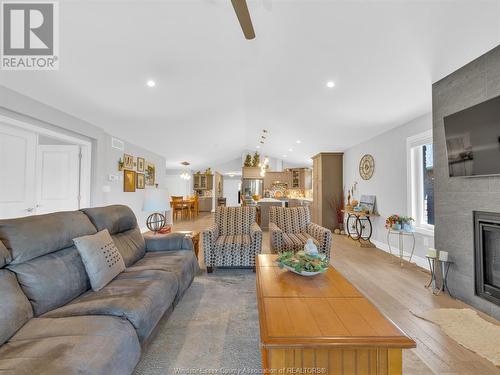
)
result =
(330, 84)
(298, 141)
(258, 146)
(284, 156)
(151, 83)
(290, 149)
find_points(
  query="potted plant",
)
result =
(393, 222)
(248, 161)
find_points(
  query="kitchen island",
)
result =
(265, 204)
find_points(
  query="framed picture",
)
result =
(128, 161)
(128, 181)
(140, 164)
(141, 180)
(150, 174)
(368, 203)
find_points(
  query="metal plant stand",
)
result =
(445, 268)
(401, 234)
(432, 267)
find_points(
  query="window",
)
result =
(421, 181)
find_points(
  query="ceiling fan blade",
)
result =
(241, 9)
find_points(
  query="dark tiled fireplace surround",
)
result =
(487, 255)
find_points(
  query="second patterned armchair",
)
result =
(234, 239)
(290, 228)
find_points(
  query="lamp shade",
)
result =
(156, 200)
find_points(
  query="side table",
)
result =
(195, 237)
(401, 234)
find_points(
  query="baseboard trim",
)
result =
(419, 261)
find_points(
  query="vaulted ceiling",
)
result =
(216, 91)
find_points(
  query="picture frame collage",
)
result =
(137, 173)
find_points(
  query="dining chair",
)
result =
(178, 206)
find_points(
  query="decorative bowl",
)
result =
(303, 273)
(303, 263)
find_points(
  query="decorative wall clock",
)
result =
(366, 167)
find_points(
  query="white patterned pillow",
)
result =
(102, 260)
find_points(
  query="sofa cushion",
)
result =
(290, 220)
(115, 219)
(15, 309)
(131, 245)
(296, 241)
(5, 257)
(236, 239)
(235, 220)
(92, 345)
(52, 280)
(182, 262)
(121, 224)
(102, 260)
(142, 297)
(34, 236)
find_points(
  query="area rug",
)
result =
(215, 329)
(467, 328)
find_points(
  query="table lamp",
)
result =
(156, 201)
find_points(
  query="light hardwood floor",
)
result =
(397, 292)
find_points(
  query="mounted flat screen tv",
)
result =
(473, 140)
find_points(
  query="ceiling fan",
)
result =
(241, 9)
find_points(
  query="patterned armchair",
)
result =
(233, 240)
(290, 228)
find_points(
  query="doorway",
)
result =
(41, 171)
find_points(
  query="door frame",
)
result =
(85, 149)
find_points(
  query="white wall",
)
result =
(104, 158)
(176, 185)
(389, 181)
(133, 199)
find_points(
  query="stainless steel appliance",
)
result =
(252, 187)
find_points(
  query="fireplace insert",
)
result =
(487, 255)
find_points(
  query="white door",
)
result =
(58, 178)
(17, 172)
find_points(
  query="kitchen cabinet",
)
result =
(301, 178)
(327, 187)
(205, 204)
(203, 181)
(251, 173)
(281, 177)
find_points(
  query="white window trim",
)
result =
(412, 142)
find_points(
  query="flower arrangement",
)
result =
(396, 222)
(392, 220)
(302, 261)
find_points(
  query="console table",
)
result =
(323, 324)
(359, 226)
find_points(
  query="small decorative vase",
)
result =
(396, 226)
(407, 227)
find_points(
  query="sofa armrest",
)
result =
(323, 236)
(276, 238)
(167, 242)
(256, 237)
(210, 235)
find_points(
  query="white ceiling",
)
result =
(216, 91)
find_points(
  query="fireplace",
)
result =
(487, 255)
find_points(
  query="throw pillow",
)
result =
(102, 260)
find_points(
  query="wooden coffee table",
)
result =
(323, 323)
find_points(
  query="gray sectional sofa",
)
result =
(51, 322)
